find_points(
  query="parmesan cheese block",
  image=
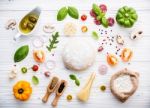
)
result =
(78, 54)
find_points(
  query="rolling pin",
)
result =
(59, 92)
(51, 88)
(84, 93)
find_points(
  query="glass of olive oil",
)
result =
(28, 23)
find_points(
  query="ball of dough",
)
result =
(78, 54)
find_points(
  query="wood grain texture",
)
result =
(140, 62)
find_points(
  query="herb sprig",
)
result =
(53, 42)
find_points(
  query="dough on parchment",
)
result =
(78, 54)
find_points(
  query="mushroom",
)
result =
(10, 24)
(120, 39)
(136, 34)
(48, 28)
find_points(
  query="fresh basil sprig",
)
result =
(21, 53)
(96, 9)
(100, 15)
(73, 77)
(95, 35)
(35, 80)
(72, 11)
(62, 13)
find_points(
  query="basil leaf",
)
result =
(104, 22)
(73, 77)
(95, 35)
(35, 80)
(96, 9)
(77, 82)
(73, 12)
(21, 53)
(62, 13)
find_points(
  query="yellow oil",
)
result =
(28, 23)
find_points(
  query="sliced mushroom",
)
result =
(10, 24)
(136, 34)
(120, 39)
(48, 28)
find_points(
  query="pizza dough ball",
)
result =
(78, 54)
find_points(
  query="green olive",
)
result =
(24, 25)
(33, 18)
(30, 25)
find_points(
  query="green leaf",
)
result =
(96, 9)
(21, 53)
(73, 77)
(73, 12)
(95, 35)
(77, 82)
(35, 80)
(62, 13)
(104, 22)
(53, 42)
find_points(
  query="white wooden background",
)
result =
(140, 62)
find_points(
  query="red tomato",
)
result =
(83, 17)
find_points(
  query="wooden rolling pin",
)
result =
(59, 92)
(84, 94)
(51, 88)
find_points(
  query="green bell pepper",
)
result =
(126, 16)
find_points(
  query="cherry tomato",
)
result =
(83, 17)
(35, 67)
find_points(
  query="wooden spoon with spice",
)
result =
(59, 92)
(51, 88)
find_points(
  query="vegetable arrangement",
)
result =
(126, 16)
(21, 53)
(71, 11)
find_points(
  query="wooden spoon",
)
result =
(51, 88)
(84, 93)
(59, 92)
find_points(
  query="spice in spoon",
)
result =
(62, 86)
